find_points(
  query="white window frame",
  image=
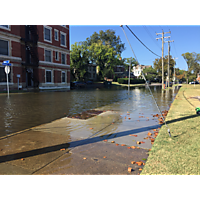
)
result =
(58, 55)
(51, 55)
(50, 28)
(1, 26)
(8, 47)
(65, 77)
(48, 70)
(55, 30)
(62, 33)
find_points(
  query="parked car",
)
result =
(79, 84)
(89, 82)
(194, 82)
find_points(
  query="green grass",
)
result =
(180, 153)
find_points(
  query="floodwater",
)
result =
(22, 111)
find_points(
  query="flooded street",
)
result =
(22, 111)
(110, 142)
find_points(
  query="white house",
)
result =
(138, 69)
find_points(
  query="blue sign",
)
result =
(6, 61)
(6, 64)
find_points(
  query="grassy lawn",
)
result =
(180, 153)
(126, 85)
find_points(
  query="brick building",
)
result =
(39, 56)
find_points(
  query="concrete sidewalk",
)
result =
(74, 146)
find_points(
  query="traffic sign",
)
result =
(6, 64)
(7, 69)
(6, 61)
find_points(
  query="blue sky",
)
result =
(186, 39)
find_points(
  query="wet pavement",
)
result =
(107, 143)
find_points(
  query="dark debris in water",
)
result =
(86, 114)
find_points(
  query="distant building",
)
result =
(138, 69)
(92, 72)
(39, 56)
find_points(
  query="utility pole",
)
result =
(168, 61)
(163, 53)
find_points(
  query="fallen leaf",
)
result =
(138, 142)
(62, 149)
(154, 129)
(138, 147)
(117, 144)
(112, 123)
(129, 118)
(132, 162)
(22, 158)
(142, 142)
(127, 112)
(149, 133)
(105, 140)
(129, 169)
(91, 128)
(123, 145)
(84, 158)
(124, 117)
(139, 163)
(143, 163)
(149, 149)
(133, 135)
(128, 147)
(133, 147)
(104, 157)
(152, 140)
(140, 169)
(112, 141)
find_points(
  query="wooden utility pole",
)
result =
(174, 70)
(168, 62)
(163, 53)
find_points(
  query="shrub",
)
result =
(132, 81)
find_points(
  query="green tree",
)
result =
(79, 61)
(127, 61)
(107, 37)
(158, 66)
(150, 73)
(192, 60)
(104, 57)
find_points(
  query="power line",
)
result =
(146, 29)
(142, 42)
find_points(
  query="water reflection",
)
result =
(22, 111)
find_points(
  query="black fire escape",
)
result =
(31, 55)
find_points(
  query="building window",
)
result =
(47, 55)
(4, 47)
(63, 39)
(56, 35)
(63, 77)
(56, 55)
(47, 34)
(64, 26)
(48, 76)
(63, 58)
(3, 78)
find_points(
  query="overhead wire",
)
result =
(142, 42)
(147, 84)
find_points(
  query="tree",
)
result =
(150, 73)
(127, 61)
(107, 38)
(104, 57)
(79, 61)
(158, 66)
(192, 60)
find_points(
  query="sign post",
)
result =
(7, 71)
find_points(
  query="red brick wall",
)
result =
(17, 70)
(57, 76)
(54, 42)
(41, 77)
(14, 29)
(40, 53)
(16, 49)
